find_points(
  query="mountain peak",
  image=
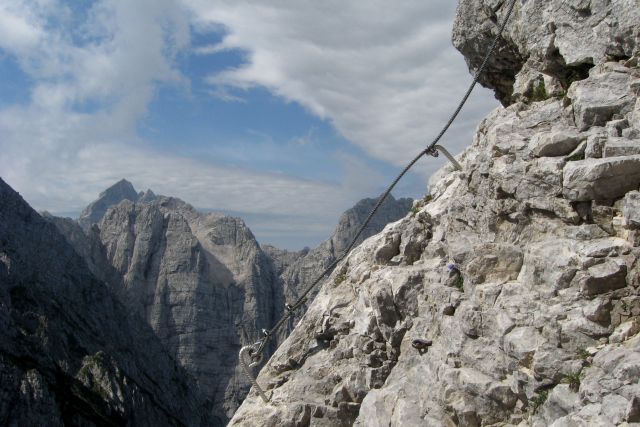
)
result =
(147, 196)
(122, 187)
(121, 190)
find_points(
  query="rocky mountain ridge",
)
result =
(298, 270)
(201, 281)
(512, 297)
(70, 352)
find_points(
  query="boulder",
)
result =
(601, 179)
(615, 147)
(595, 146)
(635, 116)
(561, 401)
(606, 276)
(494, 263)
(631, 208)
(625, 331)
(554, 143)
(597, 99)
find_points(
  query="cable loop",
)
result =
(246, 367)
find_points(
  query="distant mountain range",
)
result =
(202, 282)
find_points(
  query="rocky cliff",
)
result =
(298, 270)
(70, 353)
(201, 281)
(512, 296)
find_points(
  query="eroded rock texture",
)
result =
(547, 42)
(70, 353)
(201, 281)
(298, 271)
(513, 296)
(121, 190)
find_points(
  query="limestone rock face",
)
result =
(302, 268)
(601, 179)
(121, 190)
(70, 353)
(350, 221)
(88, 245)
(631, 209)
(202, 282)
(513, 296)
(547, 43)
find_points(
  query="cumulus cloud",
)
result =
(385, 74)
(20, 26)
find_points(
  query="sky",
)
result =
(284, 113)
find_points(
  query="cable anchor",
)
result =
(249, 358)
(433, 151)
(421, 345)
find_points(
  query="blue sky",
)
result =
(283, 113)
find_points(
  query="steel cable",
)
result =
(256, 353)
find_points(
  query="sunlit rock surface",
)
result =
(511, 297)
(202, 281)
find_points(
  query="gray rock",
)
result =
(69, 351)
(604, 277)
(552, 264)
(539, 280)
(633, 410)
(88, 245)
(598, 179)
(615, 127)
(300, 270)
(625, 331)
(542, 276)
(635, 116)
(494, 263)
(596, 100)
(555, 143)
(598, 310)
(553, 38)
(561, 401)
(631, 208)
(595, 146)
(121, 190)
(615, 147)
(473, 30)
(522, 343)
(614, 408)
(147, 196)
(202, 281)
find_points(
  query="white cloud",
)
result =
(111, 59)
(385, 74)
(20, 27)
(63, 177)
